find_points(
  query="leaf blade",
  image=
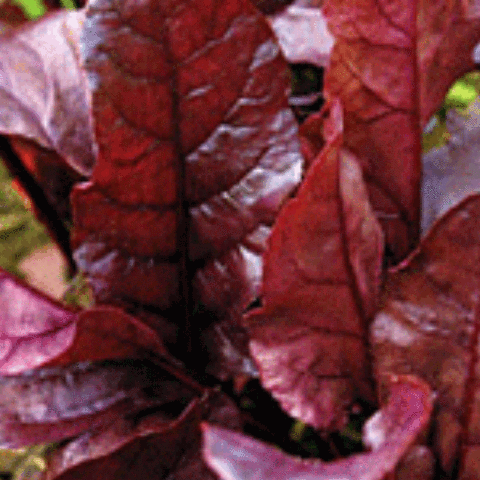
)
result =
(236, 457)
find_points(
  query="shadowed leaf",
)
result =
(234, 456)
(429, 325)
(51, 404)
(321, 282)
(152, 446)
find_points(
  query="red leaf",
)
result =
(321, 282)
(35, 331)
(195, 177)
(52, 174)
(392, 65)
(148, 447)
(46, 100)
(429, 325)
(236, 457)
(51, 404)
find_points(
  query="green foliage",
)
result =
(36, 8)
(20, 233)
(32, 8)
(461, 94)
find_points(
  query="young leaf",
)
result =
(36, 331)
(391, 66)
(46, 100)
(321, 282)
(234, 456)
(429, 326)
(186, 187)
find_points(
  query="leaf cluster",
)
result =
(225, 245)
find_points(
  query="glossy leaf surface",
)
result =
(236, 457)
(196, 176)
(391, 66)
(35, 331)
(303, 34)
(321, 282)
(51, 404)
(43, 91)
(429, 326)
(152, 446)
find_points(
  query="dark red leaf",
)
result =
(146, 447)
(321, 282)
(46, 100)
(236, 457)
(187, 186)
(392, 65)
(429, 325)
(51, 173)
(51, 404)
(11, 15)
(35, 331)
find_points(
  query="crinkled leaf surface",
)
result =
(391, 66)
(51, 404)
(42, 90)
(321, 282)
(429, 325)
(35, 331)
(152, 446)
(237, 457)
(185, 187)
(452, 172)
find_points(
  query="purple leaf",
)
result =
(36, 331)
(149, 446)
(50, 404)
(303, 34)
(452, 172)
(46, 100)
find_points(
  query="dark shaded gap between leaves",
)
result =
(49, 217)
(269, 7)
(276, 428)
(307, 90)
